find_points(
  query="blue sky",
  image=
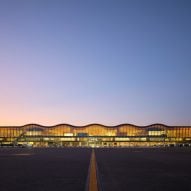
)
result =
(107, 62)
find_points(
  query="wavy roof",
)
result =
(97, 124)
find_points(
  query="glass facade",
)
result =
(95, 135)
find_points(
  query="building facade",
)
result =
(95, 135)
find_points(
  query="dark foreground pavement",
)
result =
(44, 169)
(132, 169)
(121, 169)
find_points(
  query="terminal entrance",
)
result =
(94, 142)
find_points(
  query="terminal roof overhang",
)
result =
(100, 125)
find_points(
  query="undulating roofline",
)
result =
(101, 125)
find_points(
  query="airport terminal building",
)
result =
(95, 135)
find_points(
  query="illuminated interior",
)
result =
(94, 135)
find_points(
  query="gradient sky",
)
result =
(95, 61)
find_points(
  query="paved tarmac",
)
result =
(92, 178)
(44, 169)
(133, 169)
(119, 169)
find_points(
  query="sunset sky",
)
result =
(98, 61)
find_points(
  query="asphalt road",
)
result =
(44, 169)
(121, 169)
(132, 169)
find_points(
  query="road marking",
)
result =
(93, 180)
(22, 154)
